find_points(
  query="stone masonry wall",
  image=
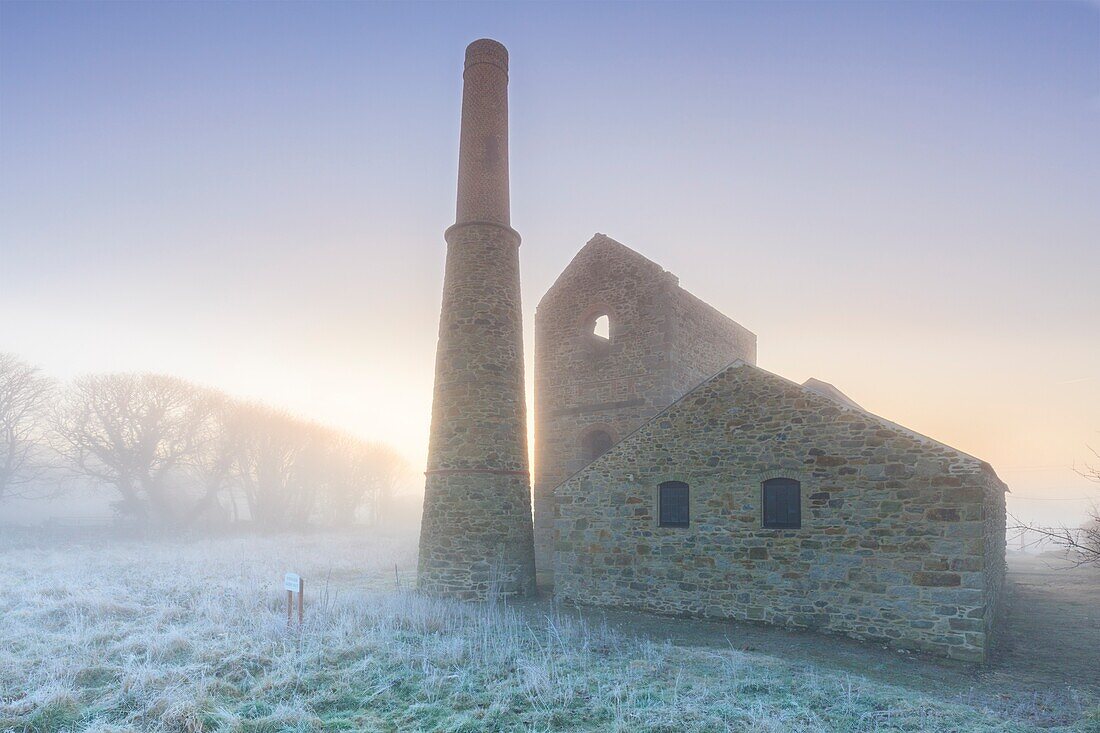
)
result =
(899, 539)
(993, 562)
(477, 505)
(663, 342)
(704, 341)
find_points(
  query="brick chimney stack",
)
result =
(483, 147)
(476, 536)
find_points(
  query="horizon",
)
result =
(898, 200)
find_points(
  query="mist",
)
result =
(549, 367)
(147, 455)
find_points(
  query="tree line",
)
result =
(177, 455)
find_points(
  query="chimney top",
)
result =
(487, 51)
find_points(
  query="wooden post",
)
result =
(293, 583)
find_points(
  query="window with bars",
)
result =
(782, 503)
(673, 507)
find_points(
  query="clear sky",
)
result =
(900, 199)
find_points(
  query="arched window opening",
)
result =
(601, 329)
(673, 506)
(596, 443)
(597, 333)
(782, 503)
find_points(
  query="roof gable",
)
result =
(601, 248)
(740, 396)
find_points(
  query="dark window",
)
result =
(782, 503)
(596, 444)
(673, 506)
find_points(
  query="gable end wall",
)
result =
(664, 341)
(902, 538)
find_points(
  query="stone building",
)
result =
(591, 388)
(673, 474)
(720, 490)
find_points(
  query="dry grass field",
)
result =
(192, 636)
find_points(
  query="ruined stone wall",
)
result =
(704, 341)
(898, 541)
(662, 342)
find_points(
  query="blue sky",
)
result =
(897, 198)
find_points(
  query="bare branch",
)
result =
(1081, 544)
(139, 434)
(24, 398)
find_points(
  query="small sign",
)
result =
(294, 584)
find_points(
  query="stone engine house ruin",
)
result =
(673, 475)
(592, 389)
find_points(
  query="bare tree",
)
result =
(24, 398)
(1090, 471)
(139, 434)
(179, 455)
(1081, 544)
(387, 473)
(359, 477)
(212, 462)
(272, 466)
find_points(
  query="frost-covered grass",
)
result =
(192, 637)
